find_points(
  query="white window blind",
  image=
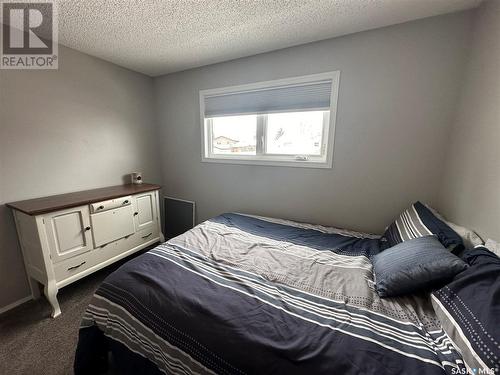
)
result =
(286, 98)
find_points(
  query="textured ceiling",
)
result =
(162, 36)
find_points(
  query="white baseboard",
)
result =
(15, 304)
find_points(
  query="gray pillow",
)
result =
(414, 265)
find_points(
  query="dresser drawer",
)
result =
(81, 263)
(143, 236)
(75, 265)
(127, 243)
(110, 204)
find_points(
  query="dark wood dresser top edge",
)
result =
(53, 203)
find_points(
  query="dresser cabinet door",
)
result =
(68, 232)
(145, 211)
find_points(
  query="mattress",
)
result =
(242, 294)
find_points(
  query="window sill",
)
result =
(270, 163)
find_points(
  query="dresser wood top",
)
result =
(52, 203)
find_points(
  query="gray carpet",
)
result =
(31, 342)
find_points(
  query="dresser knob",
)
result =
(87, 228)
(100, 207)
(136, 213)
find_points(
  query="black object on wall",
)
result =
(179, 216)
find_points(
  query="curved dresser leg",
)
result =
(50, 291)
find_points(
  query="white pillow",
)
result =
(493, 246)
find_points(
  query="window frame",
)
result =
(323, 161)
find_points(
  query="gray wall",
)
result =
(80, 127)
(398, 90)
(471, 186)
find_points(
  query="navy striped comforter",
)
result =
(250, 295)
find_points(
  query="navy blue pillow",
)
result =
(418, 221)
(414, 265)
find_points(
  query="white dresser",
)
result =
(66, 237)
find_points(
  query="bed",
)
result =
(241, 294)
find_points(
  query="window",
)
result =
(286, 122)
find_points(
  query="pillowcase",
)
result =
(480, 255)
(469, 237)
(414, 265)
(418, 221)
(469, 310)
(493, 246)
